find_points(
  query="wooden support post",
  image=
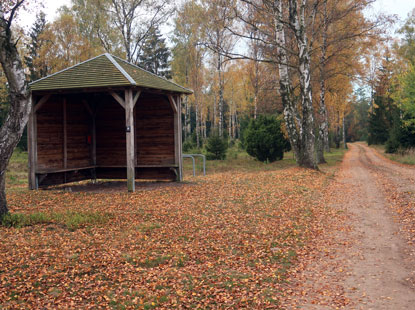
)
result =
(32, 146)
(94, 140)
(176, 137)
(65, 136)
(129, 123)
(174, 102)
(180, 131)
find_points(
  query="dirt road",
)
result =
(372, 264)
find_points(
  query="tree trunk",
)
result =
(197, 124)
(214, 113)
(322, 134)
(234, 124)
(3, 201)
(344, 133)
(221, 103)
(300, 126)
(187, 129)
(230, 122)
(308, 137)
(337, 139)
(20, 103)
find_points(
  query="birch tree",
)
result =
(19, 94)
(277, 20)
(341, 34)
(220, 41)
(188, 59)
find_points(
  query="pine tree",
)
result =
(380, 120)
(34, 46)
(155, 55)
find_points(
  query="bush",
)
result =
(264, 139)
(216, 147)
(188, 145)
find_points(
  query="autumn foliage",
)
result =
(228, 240)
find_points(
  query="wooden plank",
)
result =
(41, 102)
(129, 123)
(42, 171)
(65, 137)
(88, 108)
(119, 99)
(172, 103)
(32, 143)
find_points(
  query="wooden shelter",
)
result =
(104, 118)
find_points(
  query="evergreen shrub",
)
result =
(265, 140)
(216, 147)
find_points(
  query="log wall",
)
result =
(154, 138)
(110, 131)
(51, 132)
(50, 135)
(78, 129)
(154, 130)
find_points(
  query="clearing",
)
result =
(248, 235)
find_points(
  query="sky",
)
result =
(398, 7)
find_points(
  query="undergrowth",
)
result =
(72, 220)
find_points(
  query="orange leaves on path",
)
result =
(229, 240)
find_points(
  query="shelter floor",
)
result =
(112, 186)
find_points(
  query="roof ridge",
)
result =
(66, 69)
(160, 77)
(123, 72)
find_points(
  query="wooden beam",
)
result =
(87, 107)
(177, 158)
(119, 99)
(129, 125)
(41, 102)
(135, 99)
(172, 103)
(180, 130)
(137, 95)
(32, 146)
(65, 137)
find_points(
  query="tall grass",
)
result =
(72, 220)
(403, 156)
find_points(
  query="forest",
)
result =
(348, 78)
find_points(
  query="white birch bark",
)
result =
(20, 103)
(300, 126)
(221, 99)
(323, 130)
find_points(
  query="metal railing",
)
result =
(192, 156)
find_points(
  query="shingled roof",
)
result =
(105, 71)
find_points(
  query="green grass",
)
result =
(17, 169)
(238, 159)
(72, 220)
(403, 156)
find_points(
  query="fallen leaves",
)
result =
(229, 240)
